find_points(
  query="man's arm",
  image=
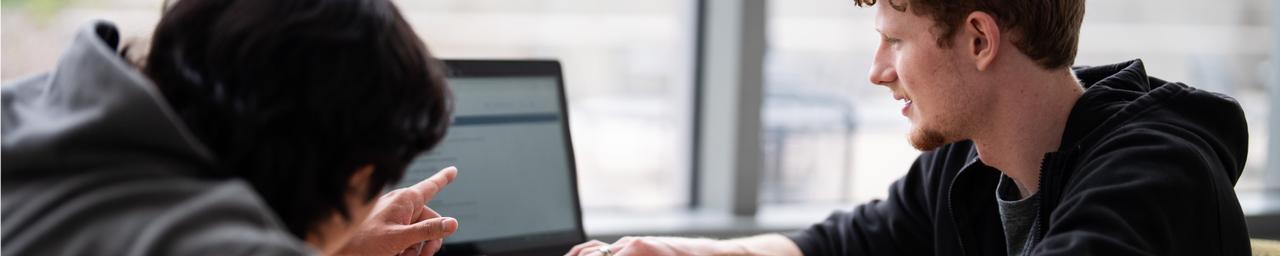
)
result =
(769, 244)
(898, 225)
(761, 245)
(901, 224)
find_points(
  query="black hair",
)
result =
(295, 95)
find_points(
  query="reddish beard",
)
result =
(925, 139)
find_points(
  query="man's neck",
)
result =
(1027, 122)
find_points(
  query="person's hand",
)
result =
(629, 246)
(401, 223)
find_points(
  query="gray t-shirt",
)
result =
(1017, 214)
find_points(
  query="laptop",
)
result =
(516, 191)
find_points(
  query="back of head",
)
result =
(295, 95)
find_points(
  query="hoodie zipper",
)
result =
(1051, 175)
(1047, 167)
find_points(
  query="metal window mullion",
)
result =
(729, 105)
(1272, 177)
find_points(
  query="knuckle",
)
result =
(430, 227)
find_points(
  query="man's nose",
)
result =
(882, 75)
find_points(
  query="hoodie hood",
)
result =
(97, 164)
(94, 109)
(1123, 95)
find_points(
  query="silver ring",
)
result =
(604, 250)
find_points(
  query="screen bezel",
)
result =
(530, 242)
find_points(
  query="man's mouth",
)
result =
(906, 106)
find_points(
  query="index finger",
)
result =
(432, 185)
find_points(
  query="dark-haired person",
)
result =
(252, 128)
(1025, 155)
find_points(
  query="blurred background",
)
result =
(828, 139)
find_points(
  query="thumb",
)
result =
(431, 229)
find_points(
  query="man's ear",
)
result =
(982, 39)
(359, 181)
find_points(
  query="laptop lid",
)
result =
(516, 191)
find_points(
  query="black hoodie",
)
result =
(1146, 167)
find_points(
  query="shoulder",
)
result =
(124, 214)
(1158, 159)
(1147, 186)
(226, 219)
(1173, 130)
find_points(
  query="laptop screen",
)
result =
(515, 187)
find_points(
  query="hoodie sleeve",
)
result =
(894, 226)
(1153, 190)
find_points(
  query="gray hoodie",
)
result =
(95, 163)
